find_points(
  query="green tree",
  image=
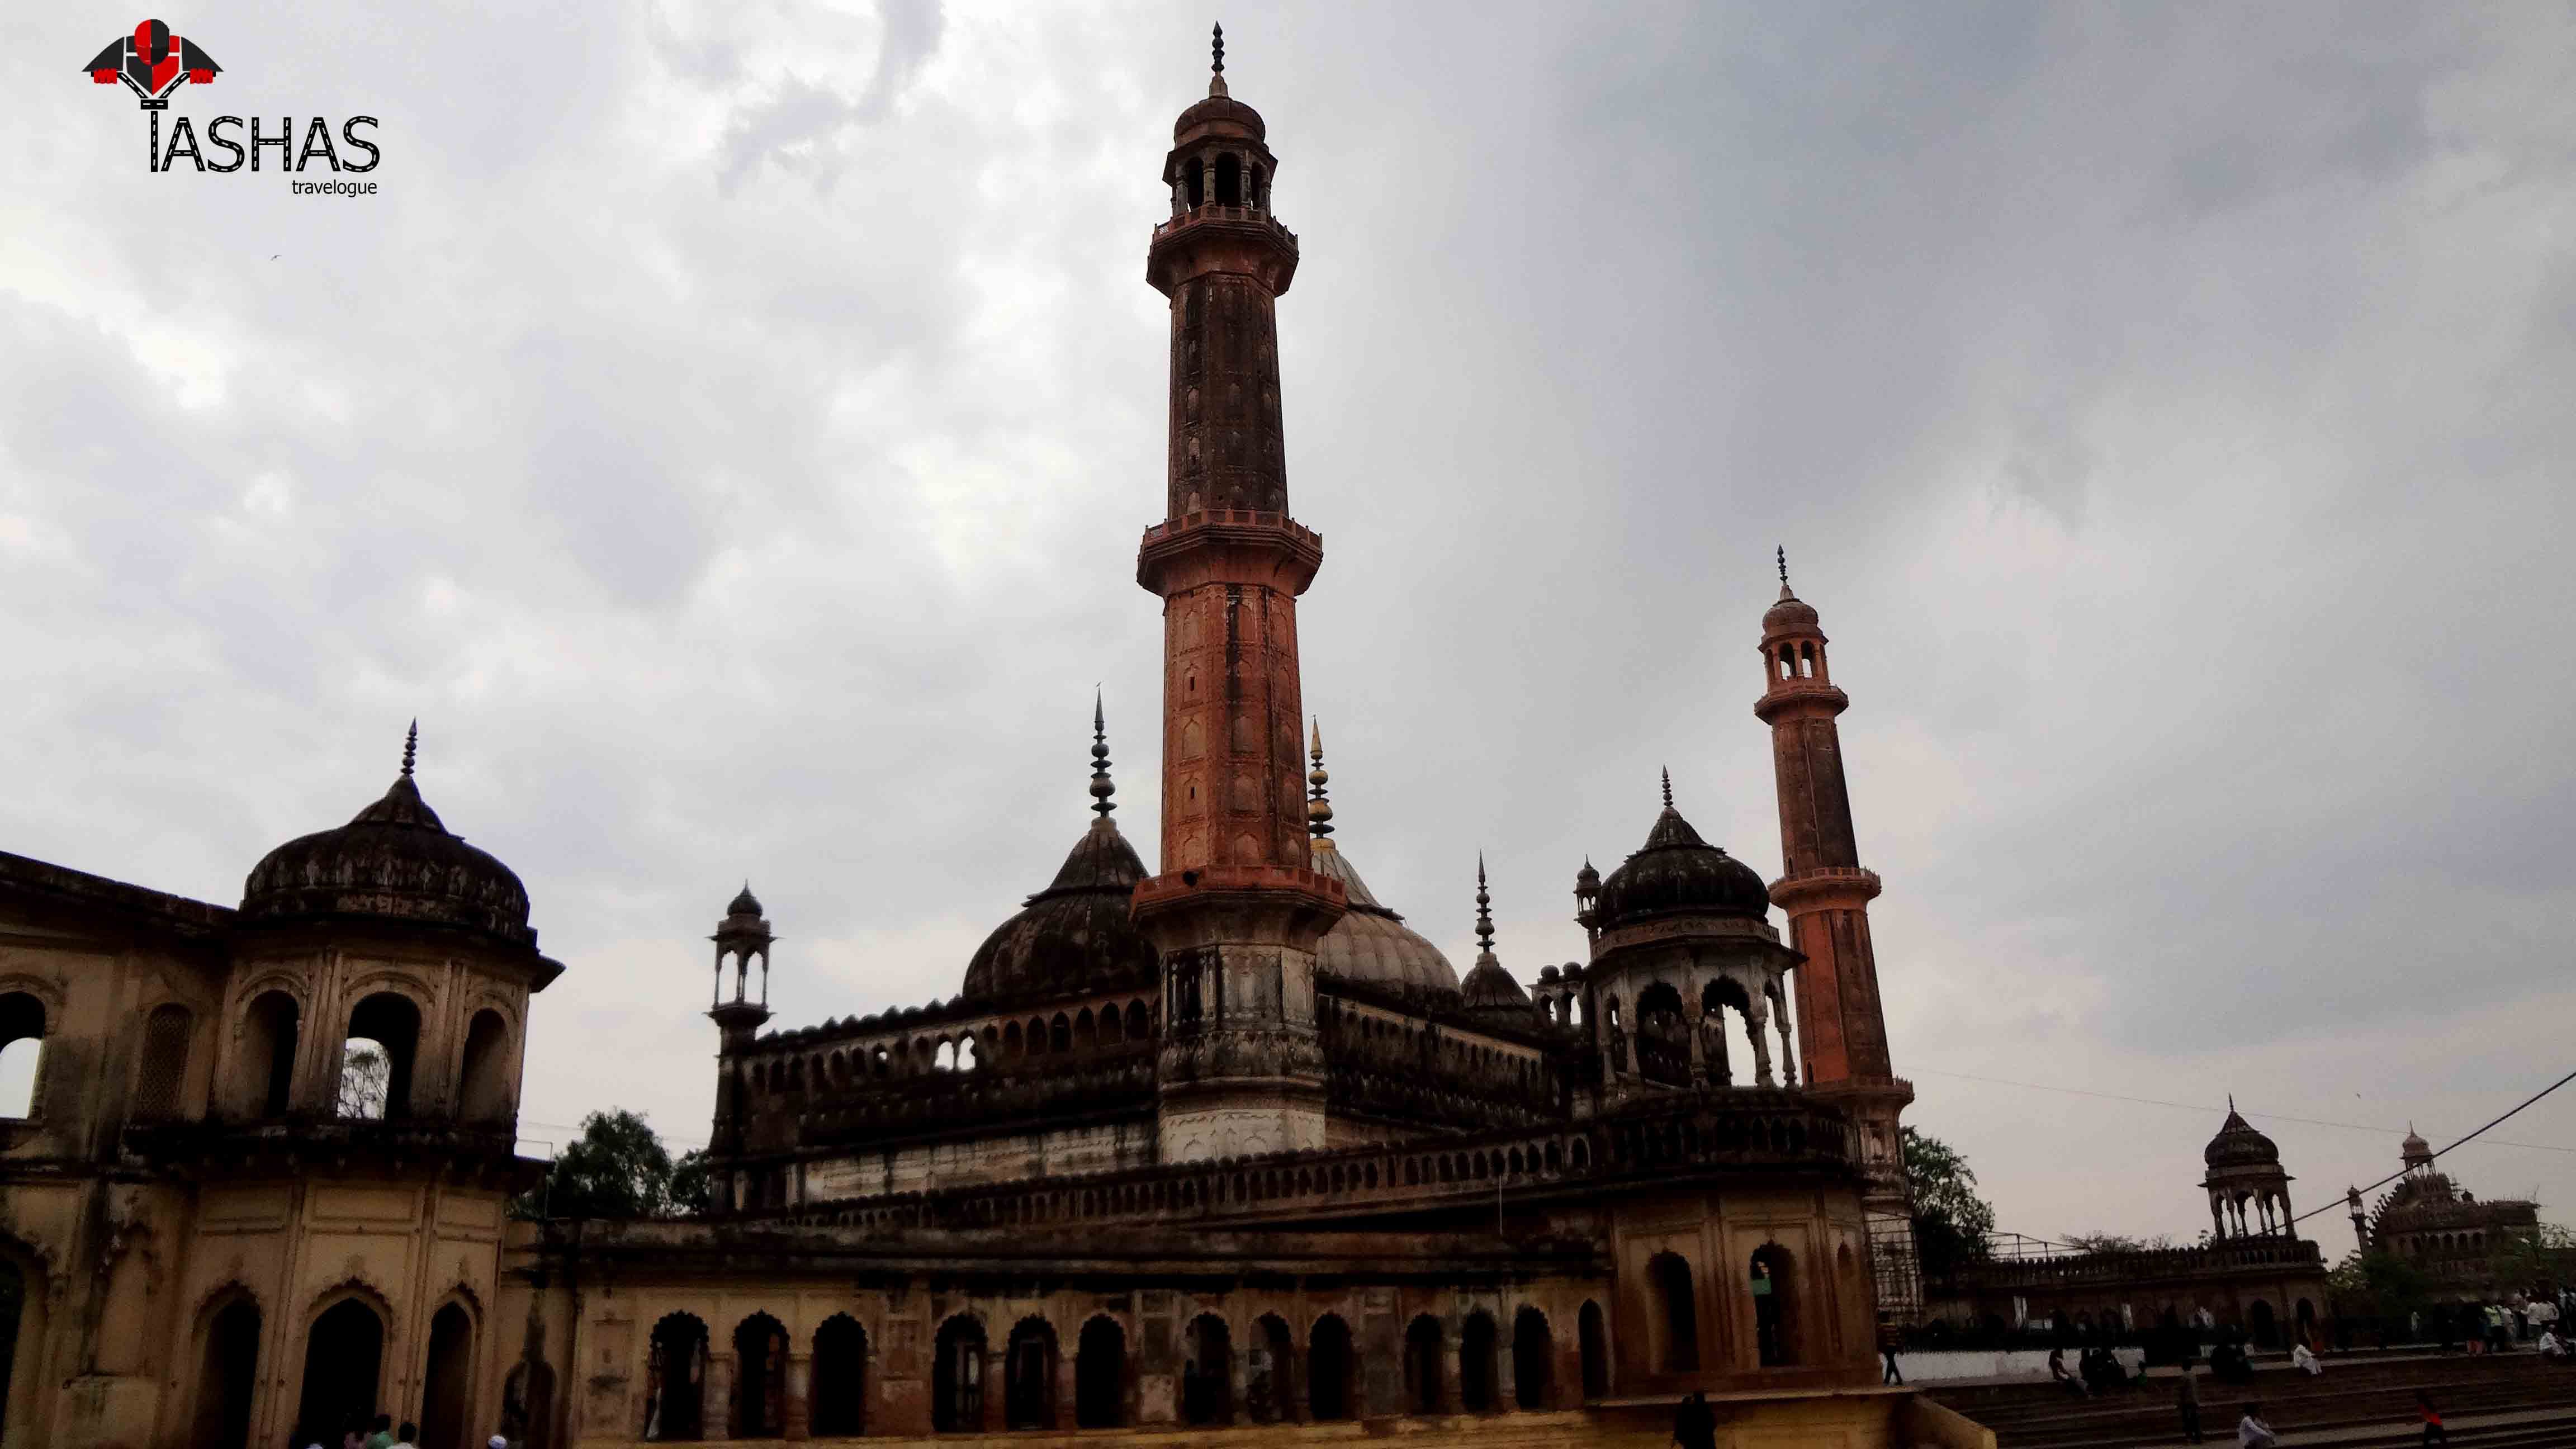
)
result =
(617, 1168)
(692, 1186)
(1950, 1221)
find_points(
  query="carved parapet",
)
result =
(1652, 1145)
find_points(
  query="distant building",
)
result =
(2253, 1275)
(2444, 1230)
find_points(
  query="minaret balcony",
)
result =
(1229, 545)
(1826, 886)
(1799, 696)
(1253, 215)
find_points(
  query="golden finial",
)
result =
(1319, 811)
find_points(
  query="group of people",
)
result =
(381, 1433)
(2096, 1371)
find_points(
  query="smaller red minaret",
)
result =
(1842, 1032)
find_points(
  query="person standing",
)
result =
(2432, 1418)
(1695, 1423)
(2187, 1404)
(2253, 1433)
(383, 1438)
(404, 1436)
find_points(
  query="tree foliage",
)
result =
(1950, 1221)
(366, 1080)
(618, 1168)
(2117, 1243)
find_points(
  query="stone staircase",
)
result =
(2512, 1401)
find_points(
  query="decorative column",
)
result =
(1238, 907)
(797, 1413)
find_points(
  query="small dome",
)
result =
(1587, 878)
(1075, 935)
(394, 860)
(1675, 872)
(1489, 987)
(2239, 1145)
(1371, 943)
(1219, 115)
(745, 904)
(1791, 615)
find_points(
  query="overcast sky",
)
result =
(729, 426)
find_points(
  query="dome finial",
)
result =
(1216, 47)
(1101, 788)
(1668, 787)
(411, 746)
(1782, 551)
(1319, 810)
(1484, 916)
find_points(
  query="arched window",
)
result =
(376, 1058)
(445, 1404)
(22, 1049)
(840, 1396)
(1086, 1031)
(1207, 1372)
(1028, 1377)
(483, 1075)
(1775, 1306)
(1425, 1385)
(267, 1067)
(1594, 1342)
(1060, 1034)
(1328, 1369)
(1194, 181)
(1037, 1036)
(675, 1380)
(1139, 1025)
(344, 1354)
(164, 1070)
(759, 1378)
(1100, 1375)
(1011, 1040)
(1113, 1029)
(1533, 1359)
(1229, 180)
(957, 1378)
(1677, 1311)
(1270, 1377)
(1476, 1343)
(227, 1376)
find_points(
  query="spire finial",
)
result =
(1782, 553)
(1319, 810)
(1484, 916)
(1217, 47)
(411, 747)
(1101, 788)
(1668, 787)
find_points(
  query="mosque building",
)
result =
(1219, 1141)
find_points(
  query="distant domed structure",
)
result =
(393, 861)
(1370, 943)
(2238, 1144)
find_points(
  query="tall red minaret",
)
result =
(1842, 1031)
(1237, 908)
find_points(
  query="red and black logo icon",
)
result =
(153, 63)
